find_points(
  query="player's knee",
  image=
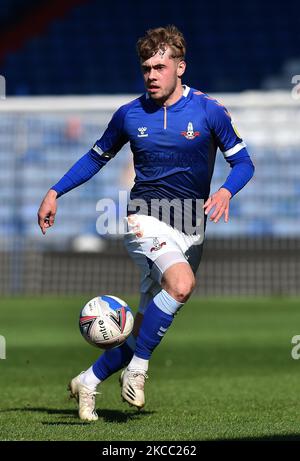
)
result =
(182, 289)
(185, 290)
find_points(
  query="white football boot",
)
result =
(133, 383)
(85, 398)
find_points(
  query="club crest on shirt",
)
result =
(157, 245)
(190, 133)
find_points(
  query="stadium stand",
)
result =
(80, 47)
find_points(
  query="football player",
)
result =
(174, 133)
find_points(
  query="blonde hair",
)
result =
(159, 39)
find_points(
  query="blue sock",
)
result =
(158, 317)
(113, 360)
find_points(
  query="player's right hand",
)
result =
(47, 211)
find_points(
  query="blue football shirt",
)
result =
(174, 148)
(174, 151)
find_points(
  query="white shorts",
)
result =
(155, 246)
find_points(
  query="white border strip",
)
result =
(235, 149)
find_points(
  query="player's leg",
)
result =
(83, 387)
(177, 284)
(155, 242)
(175, 271)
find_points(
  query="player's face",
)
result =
(162, 77)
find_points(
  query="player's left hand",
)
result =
(220, 202)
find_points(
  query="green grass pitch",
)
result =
(223, 371)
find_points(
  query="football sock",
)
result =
(137, 363)
(89, 379)
(157, 319)
(114, 359)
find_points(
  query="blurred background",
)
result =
(69, 64)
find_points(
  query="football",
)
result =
(106, 321)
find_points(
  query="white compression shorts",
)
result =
(155, 246)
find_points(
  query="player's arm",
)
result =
(84, 169)
(47, 211)
(235, 153)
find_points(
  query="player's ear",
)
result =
(181, 68)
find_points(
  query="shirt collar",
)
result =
(181, 101)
